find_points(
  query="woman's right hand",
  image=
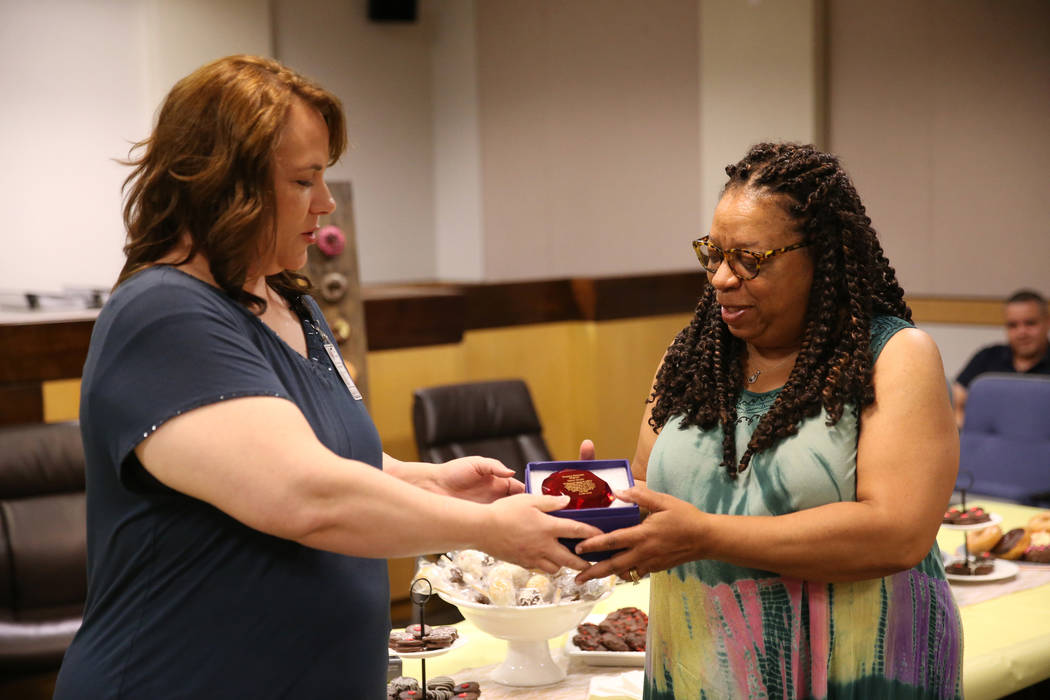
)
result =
(520, 531)
(670, 535)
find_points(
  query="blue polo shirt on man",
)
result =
(998, 358)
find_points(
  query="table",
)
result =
(1006, 626)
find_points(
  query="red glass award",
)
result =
(584, 489)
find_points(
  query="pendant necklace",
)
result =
(752, 378)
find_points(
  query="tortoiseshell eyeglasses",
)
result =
(745, 264)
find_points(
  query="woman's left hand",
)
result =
(479, 479)
(672, 533)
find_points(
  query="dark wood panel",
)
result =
(394, 320)
(520, 303)
(400, 316)
(43, 351)
(21, 403)
(609, 298)
(405, 316)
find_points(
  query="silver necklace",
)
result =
(752, 378)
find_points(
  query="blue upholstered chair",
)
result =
(1005, 440)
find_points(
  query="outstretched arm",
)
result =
(479, 479)
(267, 469)
(907, 459)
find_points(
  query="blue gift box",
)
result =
(620, 514)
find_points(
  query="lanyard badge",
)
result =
(337, 362)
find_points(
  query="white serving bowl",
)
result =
(527, 630)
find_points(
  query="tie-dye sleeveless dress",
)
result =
(723, 631)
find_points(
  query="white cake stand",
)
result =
(527, 630)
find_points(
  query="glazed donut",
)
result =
(1039, 522)
(978, 541)
(1013, 544)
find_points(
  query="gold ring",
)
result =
(634, 575)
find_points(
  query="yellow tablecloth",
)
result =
(1006, 638)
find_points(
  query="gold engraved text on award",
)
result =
(584, 489)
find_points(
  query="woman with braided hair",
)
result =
(799, 451)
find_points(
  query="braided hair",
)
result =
(703, 372)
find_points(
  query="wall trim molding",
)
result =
(420, 315)
(967, 311)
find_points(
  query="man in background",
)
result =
(1026, 352)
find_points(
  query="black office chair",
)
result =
(493, 419)
(43, 537)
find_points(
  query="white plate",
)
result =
(603, 658)
(995, 520)
(460, 641)
(1004, 569)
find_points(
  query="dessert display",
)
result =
(1039, 522)
(980, 541)
(1038, 550)
(981, 565)
(1013, 544)
(475, 577)
(621, 630)
(956, 515)
(1030, 543)
(412, 639)
(438, 688)
(525, 608)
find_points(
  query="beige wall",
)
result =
(500, 139)
(218, 29)
(589, 136)
(458, 237)
(382, 72)
(761, 79)
(80, 80)
(940, 110)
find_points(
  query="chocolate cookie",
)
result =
(973, 568)
(400, 684)
(635, 640)
(971, 516)
(441, 682)
(438, 640)
(613, 642)
(447, 629)
(405, 641)
(587, 637)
